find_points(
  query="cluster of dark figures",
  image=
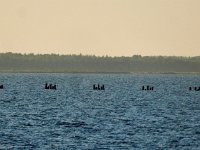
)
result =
(98, 87)
(147, 88)
(50, 86)
(194, 88)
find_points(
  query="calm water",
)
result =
(121, 117)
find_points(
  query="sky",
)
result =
(101, 27)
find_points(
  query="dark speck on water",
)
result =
(123, 116)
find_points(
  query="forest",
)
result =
(15, 62)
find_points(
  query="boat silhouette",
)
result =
(50, 86)
(98, 87)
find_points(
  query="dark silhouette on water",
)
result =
(98, 87)
(143, 88)
(147, 88)
(94, 87)
(102, 87)
(197, 88)
(1, 86)
(50, 86)
(194, 88)
(53, 87)
(46, 86)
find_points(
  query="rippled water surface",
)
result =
(122, 117)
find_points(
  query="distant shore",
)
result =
(46, 63)
(61, 72)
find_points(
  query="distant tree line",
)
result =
(14, 62)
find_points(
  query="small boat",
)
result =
(53, 87)
(102, 87)
(50, 86)
(98, 87)
(1, 86)
(46, 86)
(148, 88)
(194, 88)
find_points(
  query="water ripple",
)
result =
(121, 117)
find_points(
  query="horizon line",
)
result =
(106, 55)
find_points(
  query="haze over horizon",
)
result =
(101, 27)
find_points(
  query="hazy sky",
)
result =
(100, 27)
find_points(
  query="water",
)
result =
(122, 117)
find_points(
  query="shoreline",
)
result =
(75, 72)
